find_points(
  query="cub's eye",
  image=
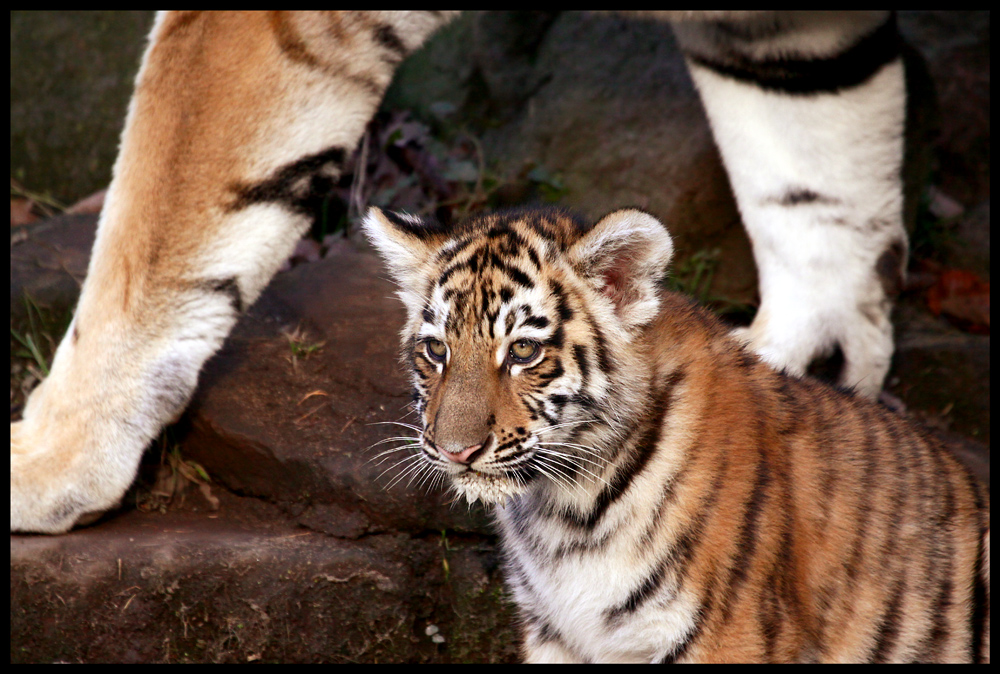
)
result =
(523, 351)
(438, 351)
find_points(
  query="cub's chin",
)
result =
(490, 489)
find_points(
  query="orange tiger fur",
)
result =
(239, 121)
(662, 494)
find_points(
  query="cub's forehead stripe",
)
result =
(453, 248)
(483, 259)
(540, 322)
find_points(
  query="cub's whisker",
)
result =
(408, 460)
(546, 429)
(569, 459)
(599, 464)
(412, 427)
(396, 437)
(382, 457)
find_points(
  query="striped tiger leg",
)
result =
(808, 112)
(237, 121)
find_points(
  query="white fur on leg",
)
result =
(817, 179)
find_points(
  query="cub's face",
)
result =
(499, 367)
(513, 346)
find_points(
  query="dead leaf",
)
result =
(943, 206)
(306, 250)
(962, 297)
(206, 492)
(317, 392)
(309, 413)
(92, 204)
(21, 211)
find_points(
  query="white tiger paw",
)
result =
(75, 452)
(792, 342)
(55, 484)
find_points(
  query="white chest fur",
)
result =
(586, 594)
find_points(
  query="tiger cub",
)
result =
(662, 494)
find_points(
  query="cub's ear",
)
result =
(626, 256)
(406, 243)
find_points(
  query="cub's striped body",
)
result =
(661, 493)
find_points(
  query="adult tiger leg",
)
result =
(237, 120)
(808, 111)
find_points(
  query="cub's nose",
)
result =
(465, 455)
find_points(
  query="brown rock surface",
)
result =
(247, 585)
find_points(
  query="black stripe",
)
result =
(746, 542)
(484, 299)
(446, 274)
(471, 263)
(298, 186)
(509, 322)
(562, 303)
(746, 359)
(533, 256)
(540, 229)
(498, 231)
(556, 340)
(559, 401)
(586, 401)
(680, 650)
(231, 288)
(850, 68)
(901, 466)
(684, 546)
(770, 615)
(643, 451)
(422, 228)
(792, 417)
(826, 455)
(449, 254)
(942, 542)
(491, 319)
(514, 243)
(580, 356)
(387, 37)
(294, 48)
(540, 322)
(980, 613)
(801, 195)
(603, 355)
(291, 43)
(889, 625)
(515, 274)
(556, 372)
(862, 512)
(646, 589)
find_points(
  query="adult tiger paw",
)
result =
(53, 489)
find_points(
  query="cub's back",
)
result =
(852, 522)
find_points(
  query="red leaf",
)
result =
(962, 297)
